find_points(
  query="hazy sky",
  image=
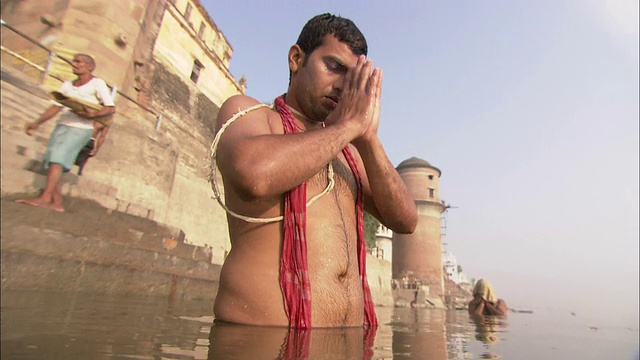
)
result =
(529, 108)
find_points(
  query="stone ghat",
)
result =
(93, 249)
(102, 243)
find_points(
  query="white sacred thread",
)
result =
(213, 171)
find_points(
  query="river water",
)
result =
(56, 325)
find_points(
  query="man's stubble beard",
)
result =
(319, 111)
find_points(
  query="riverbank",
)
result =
(94, 249)
(104, 242)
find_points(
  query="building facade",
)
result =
(453, 271)
(170, 64)
(384, 243)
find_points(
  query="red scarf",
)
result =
(294, 273)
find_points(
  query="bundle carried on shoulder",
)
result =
(76, 104)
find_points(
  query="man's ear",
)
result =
(296, 58)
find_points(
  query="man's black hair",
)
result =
(314, 31)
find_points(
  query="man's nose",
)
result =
(339, 84)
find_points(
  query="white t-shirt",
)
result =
(95, 91)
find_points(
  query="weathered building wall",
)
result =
(135, 83)
(39, 20)
(152, 167)
(104, 29)
(211, 36)
(384, 242)
(192, 108)
(190, 122)
(379, 277)
(179, 45)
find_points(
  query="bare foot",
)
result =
(34, 202)
(41, 204)
(56, 208)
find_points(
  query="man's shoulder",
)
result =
(250, 115)
(66, 84)
(240, 106)
(239, 102)
(97, 81)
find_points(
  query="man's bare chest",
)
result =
(344, 180)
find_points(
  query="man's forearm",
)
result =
(269, 165)
(107, 110)
(478, 309)
(389, 192)
(48, 114)
(495, 309)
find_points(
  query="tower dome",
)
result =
(421, 178)
(415, 162)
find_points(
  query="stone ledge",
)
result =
(85, 218)
(23, 271)
(62, 246)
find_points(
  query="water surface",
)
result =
(56, 325)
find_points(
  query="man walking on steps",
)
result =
(73, 130)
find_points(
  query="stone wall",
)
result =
(152, 166)
(456, 296)
(26, 15)
(169, 91)
(179, 46)
(379, 277)
(108, 30)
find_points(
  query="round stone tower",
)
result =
(418, 256)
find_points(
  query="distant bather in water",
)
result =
(485, 301)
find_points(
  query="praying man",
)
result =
(298, 176)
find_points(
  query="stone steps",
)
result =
(87, 218)
(34, 258)
(100, 243)
(90, 248)
(23, 175)
(20, 107)
(22, 161)
(22, 102)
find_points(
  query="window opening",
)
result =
(201, 30)
(195, 72)
(187, 12)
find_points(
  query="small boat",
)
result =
(521, 311)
